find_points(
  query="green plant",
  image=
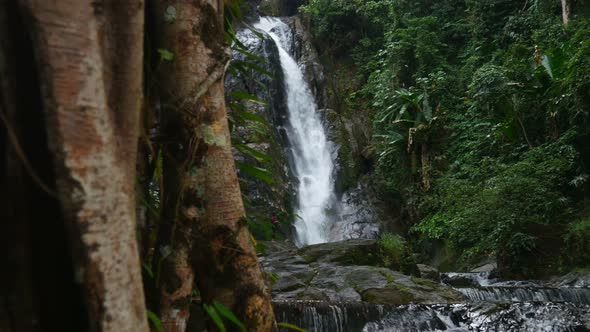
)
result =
(392, 247)
(155, 320)
(218, 311)
(506, 213)
(577, 241)
(291, 327)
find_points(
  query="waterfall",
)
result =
(313, 164)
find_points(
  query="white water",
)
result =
(311, 149)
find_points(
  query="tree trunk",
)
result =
(206, 202)
(38, 280)
(566, 11)
(426, 166)
(89, 55)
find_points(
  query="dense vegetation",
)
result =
(480, 121)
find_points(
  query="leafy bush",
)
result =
(577, 240)
(503, 215)
(481, 119)
(392, 248)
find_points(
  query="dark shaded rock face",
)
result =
(263, 200)
(306, 55)
(279, 7)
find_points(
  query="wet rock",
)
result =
(490, 267)
(369, 317)
(428, 272)
(484, 317)
(305, 54)
(573, 279)
(527, 294)
(331, 272)
(391, 296)
(352, 252)
(266, 200)
(460, 280)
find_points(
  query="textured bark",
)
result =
(203, 199)
(566, 11)
(38, 287)
(90, 63)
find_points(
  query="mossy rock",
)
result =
(351, 252)
(390, 295)
(424, 283)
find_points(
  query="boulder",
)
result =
(459, 280)
(340, 272)
(391, 296)
(428, 272)
(490, 267)
(351, 252)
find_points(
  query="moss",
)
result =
(425, 283)
(394, 295)
(369, 297)
(211, 136)
(358, 256)
(310, 258)
(389, 277)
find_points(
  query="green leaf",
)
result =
(165, 55)
(246, 96)
(258, 173)
(252, 66)
(155, 320)
(225, 312)
(148, 270)
(255, 31)
(215, 316)
(274, 278)
(252, 117)
(251, 152)
(291, 327)
(252, 56)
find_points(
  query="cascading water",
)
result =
(313, 164)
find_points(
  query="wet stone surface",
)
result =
(347, 271)
(325, 288)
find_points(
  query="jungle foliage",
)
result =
(480, 121)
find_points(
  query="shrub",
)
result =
(392, 247)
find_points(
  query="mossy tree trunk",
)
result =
(202, 206)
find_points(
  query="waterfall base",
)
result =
(512, 317)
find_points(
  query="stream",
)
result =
(320, 290)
